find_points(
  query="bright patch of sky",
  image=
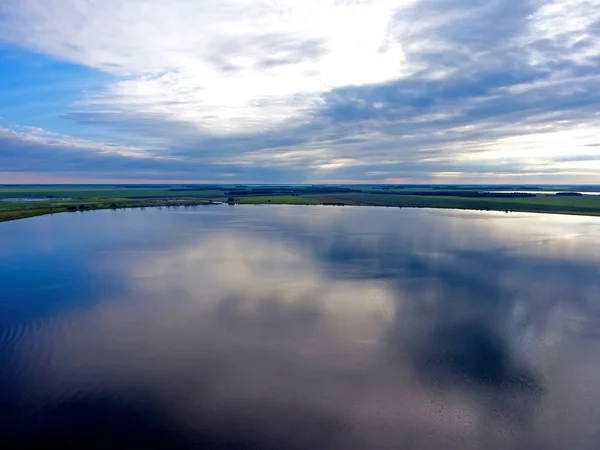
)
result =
(289, 91)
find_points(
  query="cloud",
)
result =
(33, 155)
(38, 137)
(334, 89)
(37, 150)
(563, 31)
(225, 66)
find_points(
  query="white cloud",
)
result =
(43, 138)
(540, 147)
(225, 66)
(565, 25)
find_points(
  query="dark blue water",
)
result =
(281, 327)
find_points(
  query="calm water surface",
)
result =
(282, 327)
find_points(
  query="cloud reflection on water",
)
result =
(258, 340)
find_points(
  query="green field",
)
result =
(587, 205)
(277, 200)
(28, 201)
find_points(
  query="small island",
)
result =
(569, 194)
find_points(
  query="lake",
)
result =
(300, 327)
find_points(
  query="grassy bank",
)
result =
(21, 210)
(540, 203)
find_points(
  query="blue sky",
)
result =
(233, 91)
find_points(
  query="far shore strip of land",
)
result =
(18, 202)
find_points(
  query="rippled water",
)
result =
(282, 327)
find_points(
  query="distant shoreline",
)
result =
(42, 200)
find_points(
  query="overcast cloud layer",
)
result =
(288, 91)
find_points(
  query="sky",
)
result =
(311, 91)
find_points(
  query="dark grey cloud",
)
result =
(462, 33)
(21, 154)
(568, 158)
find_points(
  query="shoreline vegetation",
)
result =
(22, 201)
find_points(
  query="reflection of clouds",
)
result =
(279, 340)
(540, 235)
(255, 273)
(251, 328)
(502, 306)
(567, 237)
